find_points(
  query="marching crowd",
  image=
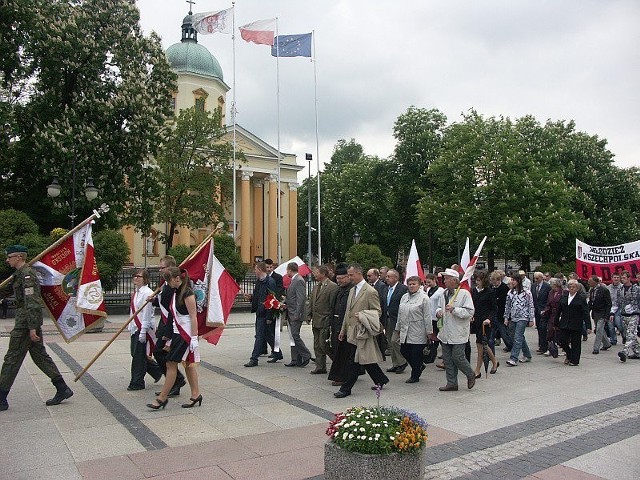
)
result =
(360, 318)
(357, 323)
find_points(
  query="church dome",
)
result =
(189, 56)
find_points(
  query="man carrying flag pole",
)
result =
(27, 333)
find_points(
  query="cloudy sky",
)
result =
(559, 60)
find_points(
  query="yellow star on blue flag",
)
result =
(292, 46)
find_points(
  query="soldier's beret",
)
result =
(16, 249)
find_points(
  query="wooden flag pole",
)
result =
(96, 214)
(102, 350)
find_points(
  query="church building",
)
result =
(201, 84)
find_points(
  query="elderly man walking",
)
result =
(455, 311)
(321, 305)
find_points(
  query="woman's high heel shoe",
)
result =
(193, 402)
(494, 370)
(160, 404)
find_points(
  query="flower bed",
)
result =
(385, 442)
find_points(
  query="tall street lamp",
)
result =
(309, 158)
(90, 192)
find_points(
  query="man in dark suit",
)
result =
(264, 284)
(271, 327)
(540, 291)
(392, 304)
(573, 316)
(600, 306)
(296, 296)
(321, 305)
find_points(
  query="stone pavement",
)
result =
(540, 420)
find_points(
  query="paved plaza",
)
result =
(541, 420)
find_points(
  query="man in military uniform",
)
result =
(26, 336)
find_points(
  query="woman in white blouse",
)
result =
(414, 326)
(142, 332)
(519, 309)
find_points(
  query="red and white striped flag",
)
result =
(215, 291)
(260, 31)
(303, 270)
(471, 267)
(70, 284)
(414, 267)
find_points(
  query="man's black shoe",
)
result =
(291, 364)
(392, 369)
(251, 363)
(305, 363)
(606, 348)
(623, 357)
(401, 368)
(341, 394)
(133, 388)
(275, 359)
(60, 396)
(584, 338)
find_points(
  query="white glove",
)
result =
(194, 344)
(142, 338)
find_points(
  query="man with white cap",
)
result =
(455, 312)
(526, 282)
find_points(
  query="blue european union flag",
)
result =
(292, 46)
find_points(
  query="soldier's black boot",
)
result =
(4, 405)
(63, 392)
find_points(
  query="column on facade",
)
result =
(293, 219)
(273, 217)
(184, 236)
(258, 217)
(245, 220)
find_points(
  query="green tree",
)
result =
(112, 253)
(17, 228)
(180, 252)
(368, 256)
(88, 94)
(194, 171)
(485, 183)
(225, 250)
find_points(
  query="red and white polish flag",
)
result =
(70, 284)
(303, 270)
(471, 267)
(260, 31)
(414, 267)
(215, 291)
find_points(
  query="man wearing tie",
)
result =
(360, 327)
(321, 305)
(540, 292)
(394, 294)
(296, 296)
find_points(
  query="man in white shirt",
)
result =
(455, 309)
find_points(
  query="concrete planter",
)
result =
(341, 464)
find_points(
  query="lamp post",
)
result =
(90, 192)
(356, 238)
(309, 158)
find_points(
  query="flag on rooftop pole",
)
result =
(219, 21)
(292, 45)
(70, 284)
(214, 289)
(414, 267)
(260, 31)
(471, 267)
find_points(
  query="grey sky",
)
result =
(559, 60)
